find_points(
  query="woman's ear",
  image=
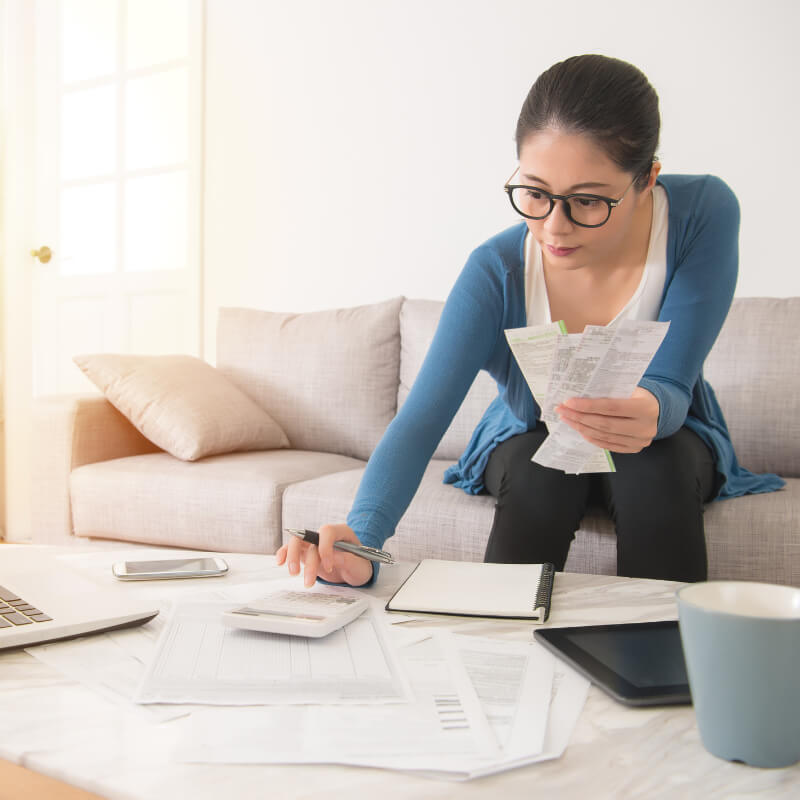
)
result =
(643, 193)
(654, 170)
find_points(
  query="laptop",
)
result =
(43, 600)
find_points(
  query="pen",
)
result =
(360, 550)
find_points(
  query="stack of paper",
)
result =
(477, 706)
(600, 362)
(434, 702)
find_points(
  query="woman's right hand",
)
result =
(323, 561)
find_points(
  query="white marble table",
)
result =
(60, 728)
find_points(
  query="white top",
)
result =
(644, 303)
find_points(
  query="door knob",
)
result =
(44, 254)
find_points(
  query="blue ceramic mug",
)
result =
(741, 641)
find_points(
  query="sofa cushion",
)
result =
(756, 537)
(182, 404)
(418, 321)
(755, 373)
(329, 378)
(224, 503)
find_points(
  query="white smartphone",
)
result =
(197, 567)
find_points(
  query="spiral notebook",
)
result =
(471, 589)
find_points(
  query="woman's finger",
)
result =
(616, 444)
(328, 536)
(295, 555)
(310, 566)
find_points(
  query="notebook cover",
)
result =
(473, 589)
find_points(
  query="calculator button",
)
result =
(17, 619)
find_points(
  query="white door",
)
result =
(112, 201)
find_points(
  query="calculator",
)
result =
(298, 613)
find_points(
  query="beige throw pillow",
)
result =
(328, 378)
(182, 404)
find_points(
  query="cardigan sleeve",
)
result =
(697, 297)
(466, 335)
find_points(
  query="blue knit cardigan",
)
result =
(489, 296)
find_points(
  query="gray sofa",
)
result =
(333, 381)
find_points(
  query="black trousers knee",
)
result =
(655, 499)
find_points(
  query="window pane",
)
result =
(155, 222)
(88, 230)
(156, 120)
(157, 31)
(88, 133)
(88, 39)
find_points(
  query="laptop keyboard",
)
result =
(16, 611)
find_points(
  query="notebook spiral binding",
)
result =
(545, 592)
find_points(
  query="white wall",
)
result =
(356, 149)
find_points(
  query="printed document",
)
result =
(601, 362)
(114, 663)
(443, 721)
(513, 681)
(111, 664)
(536, 350)
(198, 659)
(480, 706)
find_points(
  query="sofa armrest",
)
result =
(68, 432)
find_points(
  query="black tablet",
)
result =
(639, 664)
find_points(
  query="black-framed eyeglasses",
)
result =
(586, 210)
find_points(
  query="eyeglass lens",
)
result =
(585, 210)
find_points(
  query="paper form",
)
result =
(200, 660)
(106, 664)
(113, 664)
(516, 698)
(446, 701)
(569, 692)
(445, 720)
(513, 682)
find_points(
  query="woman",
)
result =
(603, 238)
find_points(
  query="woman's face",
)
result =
(566, 163)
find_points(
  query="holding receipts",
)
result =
(601, 362)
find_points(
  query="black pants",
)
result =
(655, 499)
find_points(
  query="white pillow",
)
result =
(182, 404)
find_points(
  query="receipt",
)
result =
(600, 362)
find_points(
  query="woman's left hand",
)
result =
(619, 425)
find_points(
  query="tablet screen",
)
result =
(637, 663)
